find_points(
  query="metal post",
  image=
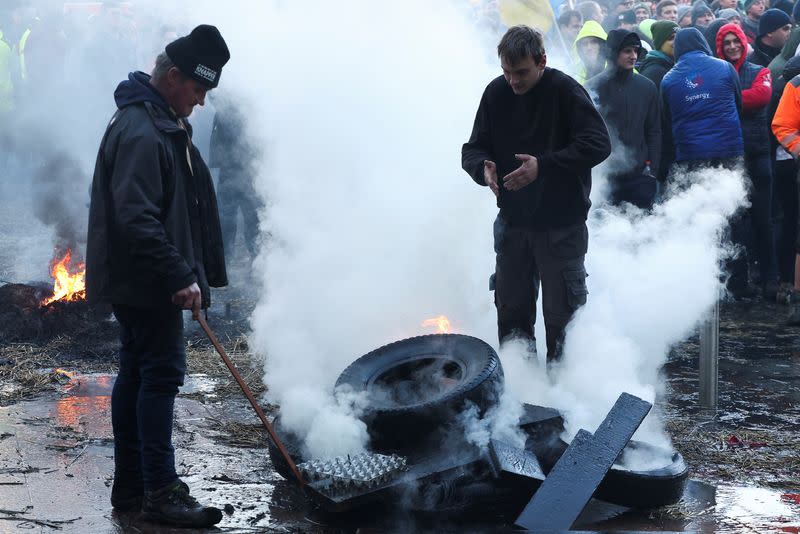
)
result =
(709, 360)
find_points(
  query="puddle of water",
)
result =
(760, 509)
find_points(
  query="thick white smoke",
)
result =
(652, 278)
(374, 225)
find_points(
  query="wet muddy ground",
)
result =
(56, 447)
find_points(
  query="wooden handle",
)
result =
(278, 443)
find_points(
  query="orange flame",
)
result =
(68, 286)
(63, 372)
(440, 323)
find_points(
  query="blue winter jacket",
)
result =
(702, 100)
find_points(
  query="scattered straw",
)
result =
(710, 455)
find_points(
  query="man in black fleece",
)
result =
(630, 105)
(536, 137)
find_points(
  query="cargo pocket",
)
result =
(575, 282)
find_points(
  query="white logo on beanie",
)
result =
(205, 72)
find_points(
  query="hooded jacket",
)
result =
(786, 104)
(654, 66)
(702, 98)
(787, 52)
(590, 28)
(557, 123)
(630, 106)
(153, 221)
(786, 123)
(756, 84)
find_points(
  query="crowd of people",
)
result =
(683, 86)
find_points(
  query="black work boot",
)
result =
(127, 497)
(173, 505)
(794, 309)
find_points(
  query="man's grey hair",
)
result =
(521, 42)
(161, 68)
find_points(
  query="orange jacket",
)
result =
(786, 124)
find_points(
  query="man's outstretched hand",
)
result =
(189, 298)
(490, 176)
(527, 173)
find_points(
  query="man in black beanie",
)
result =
(154, 249)
(774, 28)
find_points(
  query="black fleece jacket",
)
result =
(557, 123)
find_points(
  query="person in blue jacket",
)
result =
(702, 101)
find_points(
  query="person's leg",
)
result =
(794, 298)
(162, 365)
(785, 195)
(560, 255)
(760, 172)
(228, 210)
(250, 205)
(128, 485)
(515, 283)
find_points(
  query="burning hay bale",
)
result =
(42, 312)
(26, 316)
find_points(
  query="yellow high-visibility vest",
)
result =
(6, 85)
(23, 70)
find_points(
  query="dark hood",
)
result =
(791, 69)
(137, 89)
(690, 40)
(711, 31)
(619, 39)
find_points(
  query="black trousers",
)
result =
(236, 193)
(526, 257)
(152, 365)
(785, 216)
(762, 243)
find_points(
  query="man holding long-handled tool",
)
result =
(154, 249)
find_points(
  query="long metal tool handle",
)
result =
(252, 399)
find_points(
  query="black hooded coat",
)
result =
(630, 105)
(153, 221)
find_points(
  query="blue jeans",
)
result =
(152, 365)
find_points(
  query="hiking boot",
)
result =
(794, 309)
(173, 505)
(784, 293)
(126, 498)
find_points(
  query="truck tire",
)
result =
(421, 384)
